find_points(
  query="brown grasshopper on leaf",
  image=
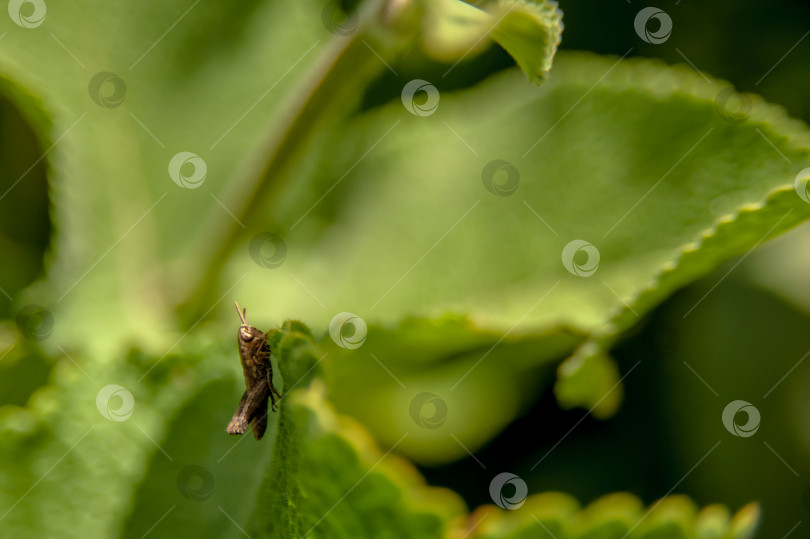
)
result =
(254, 353)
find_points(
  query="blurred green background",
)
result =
(749, 332)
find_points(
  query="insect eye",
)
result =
(246, 334)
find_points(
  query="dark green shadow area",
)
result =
(25, 226)
(195, 488)
(20, 376)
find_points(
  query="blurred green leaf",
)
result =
(164, 464)
(589, 379)
(578, 206)
(383, 381)
(127, 91)
(529, 30)
(372, 245)
(24, 223)
(615, 516)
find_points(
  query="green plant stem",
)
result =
(332, 91)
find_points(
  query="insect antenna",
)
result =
(242, 313)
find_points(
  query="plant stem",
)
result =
(329, 94)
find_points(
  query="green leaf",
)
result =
(149, 137)
(478, 378)
(170, 467)
(631, 160)
(486, 240)
(615, 516)
(529, 30)
(589, 379)
(122, 224)
(166, 467)
(337, 482)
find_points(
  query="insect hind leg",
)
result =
(238, 425)
(259, 422)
